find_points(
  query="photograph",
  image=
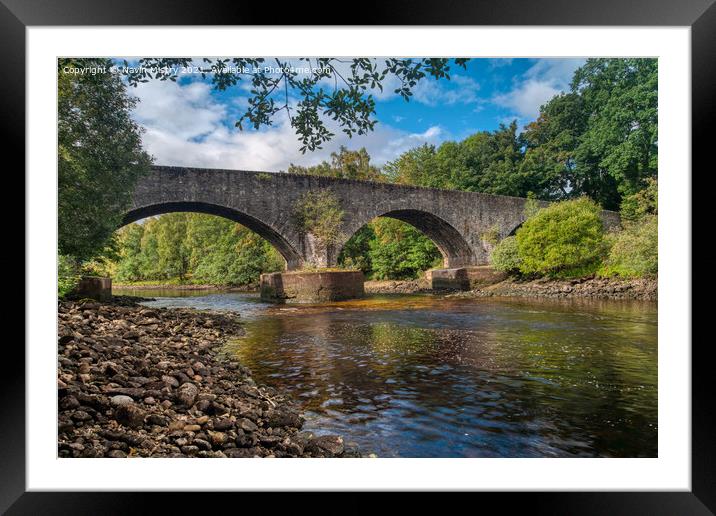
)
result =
(357, 257)
(444, 249)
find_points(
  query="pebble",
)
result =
(138, 382)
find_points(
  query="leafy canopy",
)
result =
(100, 157)
(601, 138)
(326, 89)
(193, 248)
(345, 164)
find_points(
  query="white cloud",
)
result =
(526, 99)
(187, 111)
(542, 81)
(185, 126)
(459, 90)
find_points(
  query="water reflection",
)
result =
(428, 376)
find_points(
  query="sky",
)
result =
(187, 123)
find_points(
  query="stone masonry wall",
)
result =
(264, 202)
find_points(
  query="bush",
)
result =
(505, 256)
(633, 250)
(67, 274)
(642, 204)
(564, 239)
(320, 214)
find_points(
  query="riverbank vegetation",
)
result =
(567, 240)
(592, 147)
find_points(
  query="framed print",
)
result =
(420, 252)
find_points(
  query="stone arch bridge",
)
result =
(264, 202)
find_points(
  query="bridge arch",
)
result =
(289, 253)
(455, 249)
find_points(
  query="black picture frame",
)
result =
(700, 15)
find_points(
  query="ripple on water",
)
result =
(429, 376)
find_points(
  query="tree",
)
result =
(345, 164)
(550, 144)
(634, 251)
(356, 253)
(172, 249)
(399, 251)
(601, 138)
(99, 157)
(238, 258)
(413, 167)
(487, 161)
(621, 139)
(193, 248)
(129, 260)
(326, 88)
(637, 206)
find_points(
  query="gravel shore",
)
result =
(645, 289)
(139, 382)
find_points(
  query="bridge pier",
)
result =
(311, 287)
(463, 278)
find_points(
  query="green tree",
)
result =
(487, 161)
(172, 248)
(327, 88)
(356, 253)
(563, 239)
(99, 157)
(621, 139)
(550, 143)
(399, 251)
(601, 138)
(345, 164)
(67, 275)
(414, 167)
(129, 260)
(238, 258)
(193, 248)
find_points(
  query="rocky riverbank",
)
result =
(645, 289)
(397, 286)
(140, 382)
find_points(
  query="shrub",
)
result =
(491, 237)
(320, 214)
(564, 239)
(505, 256)
(67, 274)
(633, 250)
(642, 204)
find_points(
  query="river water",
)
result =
(433, 376)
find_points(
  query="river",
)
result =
(433, 376)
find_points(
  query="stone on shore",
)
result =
(138, 382)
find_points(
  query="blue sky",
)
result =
(188, 124)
